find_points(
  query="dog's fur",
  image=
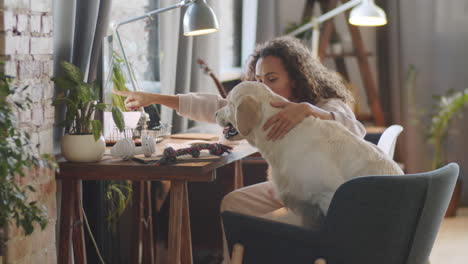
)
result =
(312, 159)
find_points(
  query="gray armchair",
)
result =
(371, 219)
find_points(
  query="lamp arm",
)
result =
(154, 12)
(315, 22)
(338, 10)
(130, 20)
(124, 56)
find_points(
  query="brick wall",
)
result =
(26, 48)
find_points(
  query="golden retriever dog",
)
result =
(311, 161)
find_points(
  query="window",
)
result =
(140, 40)
(238, 25)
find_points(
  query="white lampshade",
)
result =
(199, 19)
(367, 13)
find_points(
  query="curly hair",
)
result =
(312, 81)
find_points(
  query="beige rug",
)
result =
(451, 245)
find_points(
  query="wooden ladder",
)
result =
(359, 52)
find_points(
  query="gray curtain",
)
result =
(268, 25)
(431, 36)
(179, 70)
(79, 28)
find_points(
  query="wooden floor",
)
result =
(451, 245)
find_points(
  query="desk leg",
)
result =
(148, 242)
(79, 249)
(186, 231)
(137, 229)
(66, 215)
(235, 179)
(238, 175)
(176, 215)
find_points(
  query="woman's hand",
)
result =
(136, 100)
(291, 115)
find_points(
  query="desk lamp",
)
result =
(364, 13)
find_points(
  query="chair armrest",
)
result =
(266, 241)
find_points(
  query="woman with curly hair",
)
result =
(286, 66)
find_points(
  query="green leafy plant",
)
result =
(118, 79)
(81, 100)
(119, 82)
(118, 197)
(448, 106)
(17, 155)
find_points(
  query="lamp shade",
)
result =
(199, 19)
(367, 13)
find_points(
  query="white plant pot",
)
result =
(82, 148)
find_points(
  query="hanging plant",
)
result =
(119, 81)
(18, 155)
(447, 107)
(118, 197)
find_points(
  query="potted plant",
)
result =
(17, 154)
(448, 106)
(83, 141)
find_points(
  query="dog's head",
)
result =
(244, 111)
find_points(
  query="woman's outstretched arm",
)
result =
(136, 100)
(196, 106)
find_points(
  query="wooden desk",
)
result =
(180, 248)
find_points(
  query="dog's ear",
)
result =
(248, 114)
